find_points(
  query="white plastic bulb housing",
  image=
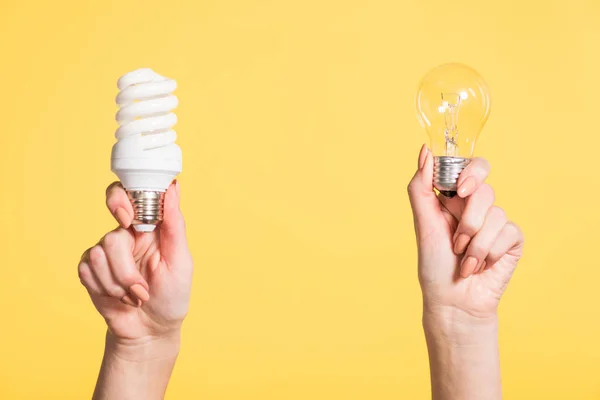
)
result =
(453, 105)
(145, 157)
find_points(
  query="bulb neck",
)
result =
(148, 209)
(446, 171)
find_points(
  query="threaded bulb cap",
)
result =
(446, 171)
(148, 209)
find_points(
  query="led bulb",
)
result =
(145, 157)
(453, 105)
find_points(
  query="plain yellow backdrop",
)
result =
(299, 136)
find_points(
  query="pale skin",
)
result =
(468, 250)
(140, 283)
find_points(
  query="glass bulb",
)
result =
(453, 105)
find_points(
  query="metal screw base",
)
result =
(148, 207)
(445, 173)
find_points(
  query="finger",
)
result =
(118, 246)
(455, 205)
(423, 200)
(118, 204)
(469, 180)
(88, 280)
(472, 176)
(482, 267)
(482, 242)
(510, 237)
(173, 241)
(100, 268)
(473, 216)
(127, 300)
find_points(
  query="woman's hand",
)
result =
(468, 251)
(140, 282)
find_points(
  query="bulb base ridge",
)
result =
(446, 170)
(148, 208)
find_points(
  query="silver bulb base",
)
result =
(446, 171)
(148, 208)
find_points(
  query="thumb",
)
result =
(423, 200)
(118, 204)
(173, 241)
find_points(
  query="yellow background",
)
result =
(299, 135)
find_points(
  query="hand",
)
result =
(467, 248)
(140, 282)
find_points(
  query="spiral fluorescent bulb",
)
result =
(453, 104)
(145, 157)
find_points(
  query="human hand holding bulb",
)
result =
(140, 282)
(466, 236)
(467, 253)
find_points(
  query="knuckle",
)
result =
(471, 225)
(128, 277)
(484, 164)
(499, 213)
(96, 254)
(414, 187)
(477, 249)
(481, 165)
(83, 271)
(410, 188)
(511, 228)
(493, 256)
(514, 229)
(115, 291)
(488, 191)
(111, 239)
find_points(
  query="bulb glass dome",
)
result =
(453, 104)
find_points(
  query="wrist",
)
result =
(463, 354)
(137, 368)
(144, 349)
(455, 327)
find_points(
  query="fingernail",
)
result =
(461, 243)
(466, 187)
(140, 292)
(127, 300)
(455, 236)
(422, 156)
(121, 216)
(468, 266)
